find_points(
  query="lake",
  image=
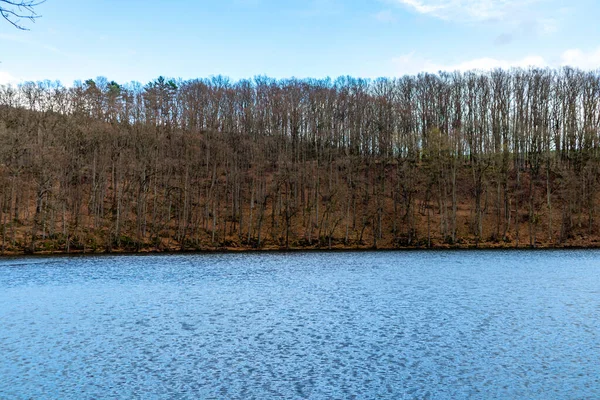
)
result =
(364, 325)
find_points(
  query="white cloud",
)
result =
(475, 10)
(6, 78)
(411, 64)
(589, 60)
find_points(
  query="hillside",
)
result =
(501, 159)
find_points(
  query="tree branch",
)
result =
(14, 11)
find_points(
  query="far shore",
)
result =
(324, 249)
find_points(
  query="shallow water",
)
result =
(397, 325)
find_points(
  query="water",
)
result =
(397, 325)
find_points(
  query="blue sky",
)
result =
(142, 39)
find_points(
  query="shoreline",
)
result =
(283, 250)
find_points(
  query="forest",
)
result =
(506, 158)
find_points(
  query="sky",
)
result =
(139, 40)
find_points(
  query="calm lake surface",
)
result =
(397, 325)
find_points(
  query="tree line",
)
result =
(507, 157)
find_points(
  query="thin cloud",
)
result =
(503, 39)
(15, 39)
(22, 40)
(321, 8)
(385, 16)
(470, 10)
(547, 26)
(412, 64)
(422, 7)
(247, 3)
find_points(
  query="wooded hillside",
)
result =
(506, 158)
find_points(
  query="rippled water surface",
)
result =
(439, 325)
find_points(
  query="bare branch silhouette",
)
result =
(17, 11)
